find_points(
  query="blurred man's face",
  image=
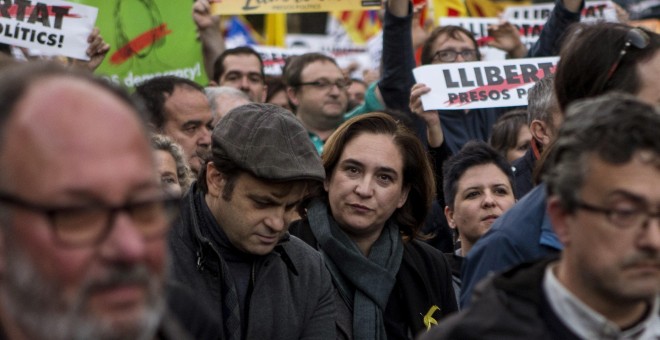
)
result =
(58, 283)
(462, 49)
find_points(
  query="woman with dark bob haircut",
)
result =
(378, 189)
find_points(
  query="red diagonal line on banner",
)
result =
(13, 9)
(274, 62)
(484, 40)
(138, 44)
(504, 86)
(362, 21)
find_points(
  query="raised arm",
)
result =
(565, 13)
(209, 34)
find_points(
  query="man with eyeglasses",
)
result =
(603, 176)
(317, 89)
(450, 129)
(82, 217)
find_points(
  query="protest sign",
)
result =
(274, 58)
(230, 7)
(593, 11)
(148, 38)
(530, 31)
(51, 26)
(483, 84)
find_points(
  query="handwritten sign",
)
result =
(228, 7)
(484, 84)
(593, 11)
(50, 26)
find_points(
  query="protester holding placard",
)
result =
(450, 45)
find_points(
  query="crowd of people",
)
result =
(314, 206)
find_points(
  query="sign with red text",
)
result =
(50, 26)
(475, 85)
(231, 7)
(593, 11)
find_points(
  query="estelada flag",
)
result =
(359, 25)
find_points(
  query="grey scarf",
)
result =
(365, 282)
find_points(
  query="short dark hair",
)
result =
(417, 172)
(472, 154)
(587, 58)
(504, 134)
(613, 127)
(292, 73)
(275, 85)
(219, 64)
(452, 32)
(155, 91)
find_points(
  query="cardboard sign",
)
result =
(148, 38)
(53, 27)
(232, 7)
(593, 11)
(530, 30)
(483, 84)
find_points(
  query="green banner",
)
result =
(148, 38)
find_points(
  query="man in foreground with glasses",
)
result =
(603, 176)
(82, 218)
(317, 89)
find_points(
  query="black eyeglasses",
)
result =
(622, 218)
(635, 37)
(325, 85)
(86, 225)
(449, 56)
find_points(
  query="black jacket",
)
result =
(424, 279)
(511, 305)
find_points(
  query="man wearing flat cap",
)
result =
(231, 244)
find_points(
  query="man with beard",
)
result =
(82, 218)
(179, 109)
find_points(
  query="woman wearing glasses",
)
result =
(378, 189)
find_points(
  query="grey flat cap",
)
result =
(269, 142)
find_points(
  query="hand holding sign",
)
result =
(52, 26)
(434, 132)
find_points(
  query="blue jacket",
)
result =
(522, 234)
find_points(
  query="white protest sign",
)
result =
(530, 30)
(274, 58)
(50, 26)
(593, 11)
(483, 84)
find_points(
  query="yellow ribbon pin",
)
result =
(428, 318)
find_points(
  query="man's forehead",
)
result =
(458, 39)
(235, 62)
(185, 101)
(65, 127)
(322, 67)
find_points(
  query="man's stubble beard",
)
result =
(39, 307)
